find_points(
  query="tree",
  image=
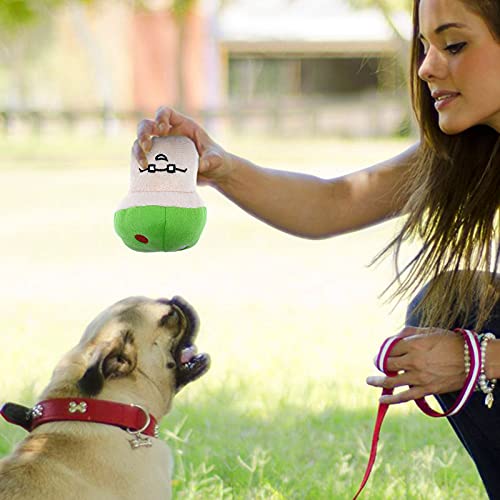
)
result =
(15, 14)
(24, 28)
(180, 10)
(21, 22)
(388, 8)
(20, 14)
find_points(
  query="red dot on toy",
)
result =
(141, 238)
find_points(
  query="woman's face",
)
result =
(461, 65)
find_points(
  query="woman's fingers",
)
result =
(428, 360)
(410, 394)
(171, 122)
(404, 379)
(397, 363)
(214, 162)
(145, 130)
(163, 114)
(210, 160)
(139, 154)
(389, 382)
(162, 125)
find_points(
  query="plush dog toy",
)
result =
(162, 210)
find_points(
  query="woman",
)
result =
(449, 188)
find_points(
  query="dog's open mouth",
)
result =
(198, 364)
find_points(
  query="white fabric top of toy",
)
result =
(170, 177)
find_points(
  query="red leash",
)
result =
(466, 392)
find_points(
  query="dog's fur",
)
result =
(130, 354)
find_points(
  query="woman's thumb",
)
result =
(209, 161)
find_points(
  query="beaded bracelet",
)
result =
(487, 386)
(467, 363)
(483, 384)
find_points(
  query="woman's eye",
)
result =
(455, 48)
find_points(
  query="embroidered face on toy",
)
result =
(163, 211)
(171, 168)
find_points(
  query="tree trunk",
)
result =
(181, 47)
(102, 76)
(403, 60)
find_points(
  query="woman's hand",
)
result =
(428, 360)
(215, 163)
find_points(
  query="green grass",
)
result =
(297, 452)
(292, 325)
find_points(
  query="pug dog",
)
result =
(91, 434)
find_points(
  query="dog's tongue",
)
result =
(188, 353)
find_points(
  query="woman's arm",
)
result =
(300, 204)
(492, 365)
(307, 206)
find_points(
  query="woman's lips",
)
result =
(443, 99)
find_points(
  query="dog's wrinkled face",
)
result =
(132, 352)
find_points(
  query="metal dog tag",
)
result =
(140, 441)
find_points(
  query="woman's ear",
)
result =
(116, 358)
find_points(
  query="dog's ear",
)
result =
(116, 358)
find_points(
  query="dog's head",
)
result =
(132, 353)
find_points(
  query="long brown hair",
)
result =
(453, 206)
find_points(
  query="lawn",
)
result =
(292, 325)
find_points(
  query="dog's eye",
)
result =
(121, 360)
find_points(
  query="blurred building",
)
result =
(253, 63)
(317, 64)
(306, 48)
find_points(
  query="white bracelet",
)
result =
(467, 364)
(466, 358)
(486, 386)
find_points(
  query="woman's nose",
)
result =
(434, 66)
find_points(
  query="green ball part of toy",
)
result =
(160, 229)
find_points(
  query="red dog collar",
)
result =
(130, 417)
